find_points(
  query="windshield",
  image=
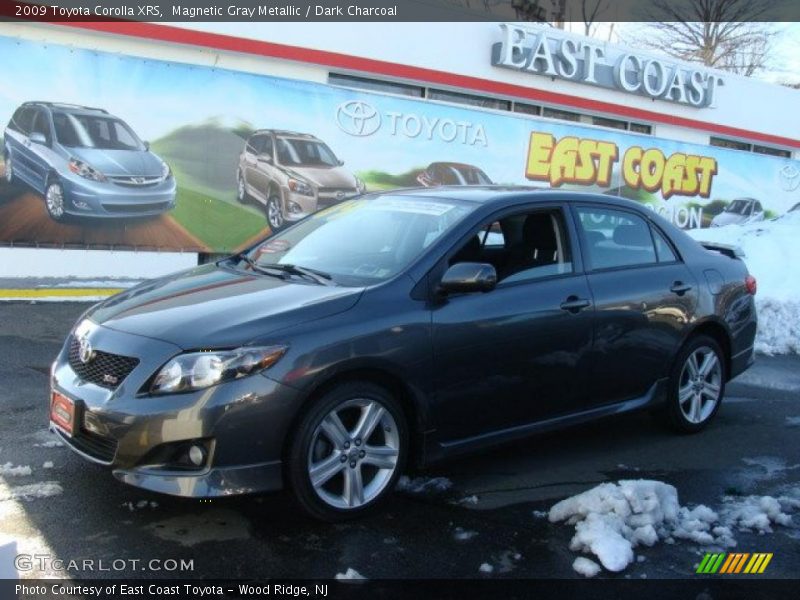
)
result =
(294, 151)
(738, 206)
(362, 241)
(90, 131)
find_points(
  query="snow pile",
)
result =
(758, 513)
(462, 535)
(48, 464)
(350, 574)
(486, 568)
(793, 421)
(612, 519)
(586, 566)
(34, 490)
(422, 485)
(9, 470)
(772, 255)
(50, 444)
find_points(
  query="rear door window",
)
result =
(615, 238)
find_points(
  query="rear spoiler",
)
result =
(726, 249)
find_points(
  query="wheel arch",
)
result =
(409, 398)
(719, 332)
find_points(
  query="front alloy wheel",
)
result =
(274, 213)
(54, 201)
(348, 452)
(9, 170)
(698, 384)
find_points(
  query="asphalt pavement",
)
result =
(491, 514)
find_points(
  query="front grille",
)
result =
(136, 208)
(336, 193)
(97, 446)
(104, 369)
(136, 181)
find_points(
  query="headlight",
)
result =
(165, 171)
(300, 187)
(198, 370)
(85, 170)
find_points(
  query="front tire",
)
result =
(697, 385)
(8, 175)
(241, 189)
(275, 218)
(54, 201)
(348, 452)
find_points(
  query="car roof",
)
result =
(285, 133)
(454, 164)
(502, 194)
(68, 108)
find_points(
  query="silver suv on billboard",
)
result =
(85, 162)
(293, 175)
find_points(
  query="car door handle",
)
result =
(574, 304)
(680, 288)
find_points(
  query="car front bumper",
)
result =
(241, 424)
(84, 197)
(307, 205)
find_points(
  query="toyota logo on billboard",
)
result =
(358, 118)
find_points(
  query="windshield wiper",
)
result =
(279, 273)
(319, 276)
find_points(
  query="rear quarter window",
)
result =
(615, 238)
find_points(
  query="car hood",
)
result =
(115, 163)
(328, 177)
(217, 307)
(728, 218)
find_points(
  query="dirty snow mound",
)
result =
(349, 574)
(486, 568)
(422, 485)
(48, 464)
(757, 513)
(793, 421)
(9, 470)
(586, 566)
(612, 519)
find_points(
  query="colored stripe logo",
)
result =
(734, 562)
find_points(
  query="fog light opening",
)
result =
(295, 208)
(80, 205)
(197, 455)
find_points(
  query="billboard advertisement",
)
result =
(104, 150)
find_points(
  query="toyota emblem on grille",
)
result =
(138, 180)
(85, 350)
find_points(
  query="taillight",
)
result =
(751, 285)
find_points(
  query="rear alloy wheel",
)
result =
(697, 384)
(275, 213)
(54, 201)
(348, 452)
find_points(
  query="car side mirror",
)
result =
(468, 277)
(340, 162)
(147, 146)
(38, 138)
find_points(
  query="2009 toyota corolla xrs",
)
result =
(401, 328)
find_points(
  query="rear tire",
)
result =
(697, 385)
(347, 452)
